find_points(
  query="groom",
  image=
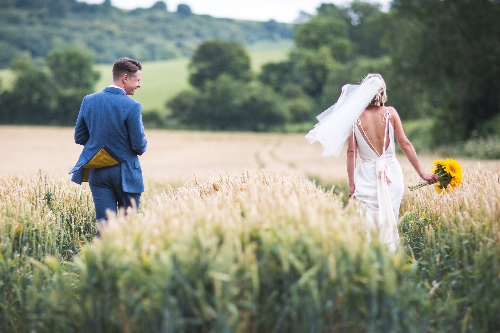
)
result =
(110, 128)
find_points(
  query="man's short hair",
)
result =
(125, 66)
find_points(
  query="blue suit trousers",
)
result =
(107, 191)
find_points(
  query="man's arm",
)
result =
(135, 127)
(82, 134)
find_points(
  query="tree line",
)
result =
(288, 93)
(439, 58)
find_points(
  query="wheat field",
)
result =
(232, 237)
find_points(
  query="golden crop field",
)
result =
(177, 156)
(249, 245)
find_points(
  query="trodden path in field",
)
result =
(267, 157)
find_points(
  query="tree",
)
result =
(331, 32)
(261, 109)
(348, 32)
(74, 77)
(7, 3)
(451, 49)
(313, 68)
(32, 99)
(31, 4)
(106, 6)
(184, 107)
(214, 58)
(228, 104)
(184, 10)
(277, 74)
(159, 5)
(59, 8)
(331, 42)
(367, 29)
(221, 104)
(224, 97)
(278, 29)
(72, 68)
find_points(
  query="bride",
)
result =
(361, 118)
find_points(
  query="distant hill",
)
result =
(32, 28)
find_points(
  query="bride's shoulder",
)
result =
(392, 111)
(395, 119)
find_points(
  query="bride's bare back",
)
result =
(372, 126)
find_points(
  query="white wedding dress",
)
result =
(379, 184)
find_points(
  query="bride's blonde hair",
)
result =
(381, 97)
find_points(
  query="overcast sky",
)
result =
(258, 10)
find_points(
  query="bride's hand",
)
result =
(352, 187)
(430, 178)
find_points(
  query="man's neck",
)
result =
(115, 86)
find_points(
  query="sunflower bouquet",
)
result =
(449, 174)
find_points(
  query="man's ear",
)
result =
(125, 77)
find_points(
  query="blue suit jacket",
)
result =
(111, 118)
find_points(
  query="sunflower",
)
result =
(437, 165)
(449, 174)
(454, 169)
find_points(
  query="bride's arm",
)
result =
(351, 159)
(408, 149)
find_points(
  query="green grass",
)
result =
(161, 80)
(265, 52)
(6, 78)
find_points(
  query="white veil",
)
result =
(336, 123)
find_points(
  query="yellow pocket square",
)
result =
(102, 159)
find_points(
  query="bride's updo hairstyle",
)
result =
(381, 97)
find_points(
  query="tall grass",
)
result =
(455, 240)
(264, 252)
(222, 257)
(39, 217)
(43, 216)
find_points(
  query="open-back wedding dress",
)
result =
(379, 183)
